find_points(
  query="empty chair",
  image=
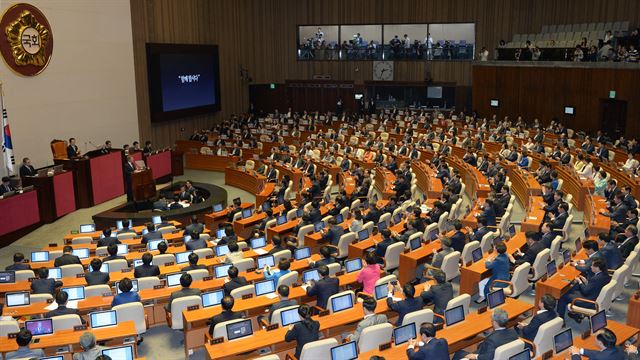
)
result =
(442, 222)
(203, 253)
(244, 264)
(38, 298)
(539, 266)
(101, 251)
(167, 229)
(343, 245)
(276, 318)
(392, 256)
(84, 240)
(24, 275)
(70, 271)
(96, 290)
(467, 251)
(198, 274)
(373, 336)
(487, 241)
(320, 349)
(506, 351)
(66, 322)
(462, 299)
(304, 230)
(148, 282)
(450, 265)
(133, 311)
(164, 259)
(126, 236)
(117, 265)
(8, 327)
(174, 317)
(283, 254)
(288, 279)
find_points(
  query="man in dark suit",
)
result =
(61, 300)
(186, 290)
(431, 347)
(151, 234)
(235, 281)
(107, 239)
(546, 312)
(327, 258)
(113, 253)
(67, 257)
(480, 232)
(552, 209)
(147, 148)
(500, 336)
(193, 263)
(438, 294)
(585, 288)
(18, 263)
(284, 301)
(547, 235)
(226, 314)
(606, 341)
(630, 241)
(591, 248)
(410, 303)
(146, 269)
(42, 285)
(315, 215)
(333, 234)
(72, 149)
(27, 169)
(6, 186)
(609, 251)
(95, 276)
(323, 288)
(488, 212)
(269, 217)
(458, 239)
(195, 226)
(618, 211)
(373, 214)
(129, 169)
(196, 242)
(534, 247)
(558, 222)
(381, 247)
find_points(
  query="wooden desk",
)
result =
(251, 182)
(409, 261)
(535, 215)
(209, 162)
(633, 312)
(295, 175)
(559, 283)
(623, 333)
(213, 219)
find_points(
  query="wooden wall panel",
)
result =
(260, 36)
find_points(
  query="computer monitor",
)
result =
(353, 265)
(551, 268)
(138, 262)
(220, 233)
(299, 212)
(382, 225)
(39, 327)
(39, 256)
(87, 228)
(265, 287)
(222, 270)
(246, 213)
(282, 219)
(310, 275)
(522, 355)
(120, 352)
(217, 207)
(402, 334)
(318, 226)
(173, 279)
(265, 260)
(346, 351)
(494, 103)
(212, 298)
(123, 249)
(239, 329)
(237, 201)
(569, 110)
(290, 316)
(454, 315)
(55, 357)
(55, 273)
(82, 253)
(7, 277)
(566, 256)
(415, 243)
(186, 238)
(302, 253)
(183, 257)
(343, 302)
(222, 250)
(120, 224)
(476, 254)
(381, 291)
(598, 321)
(103, 318)
(563, 340)
(339, 218)
(258, 243)
(363, 234)
(156, 220)
(266, 206)
(74, 292)
(145, 231)
(433, 234)
(153, 244)
(512, 230)
(495, 298)
(134, 283)
(104, 268)
(397, 218)
(21, 298)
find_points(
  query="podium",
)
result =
(143, 185)
(56, 196)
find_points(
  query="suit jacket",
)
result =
(153, 235)
(612, 255)
(458, 241)
(222, 317)
(373, 215)
(191, 228)
(497, 338)
(108, 241)
(531, 253)
(66, 259)
(499, 268)
(404, 307)
(72, 151)
(381, 247)
(434, 349)
(628, 245)
(559, 221)
(315, 216)
(333, 235)
(44, 286)
(547, 239)
(96, 278)
(302, 335)
(63, 310)
(195, 244)
(234, 284)
(146, 270)
(181, 293)
(606, 354)
(27, 170)
(591, 289)
(619, 213)
(374, 319)
(480, 233)
(530, 330)
(19, 266)
(279, 305)
(193, 267)
(439, 295)
(323, 289)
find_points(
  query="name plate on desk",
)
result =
(12, 335)
(482, 310)
(80, 275)
(80, 328)
(209, 256)
(323, 313)
(107, 294)
(49, 301)
(126, 270)
(207, 278)
(177, 245)
(169, 263)
(251, 269)
(142, 250)
(156, 287)
(53, 244)
(247, 296)
(218, 340)
(547, 355)
(193, 307)
(340, 273)
(385, 346)
(585, 335)
(272, 327)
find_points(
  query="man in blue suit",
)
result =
(458, 239)
(609, 251)
(410, 303)
(499, 267)
(429, 346)
(488, 212)
(323, 288)
(606, 340)
(585, 288)
(333, 234)
(546, 313)
(480, 232)
(500, 336)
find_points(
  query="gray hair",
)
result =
(500, 317)
(87, 341)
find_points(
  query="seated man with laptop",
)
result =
(500, 336)
(185, 282)
(429, 347)
(61, 299)
(24, 352)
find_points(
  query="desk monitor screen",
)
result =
(217, 207)
(123, 249)
(381, 291)
(563, 340)
(120, 224)
(74, 292)
(153, 244)
(433, 234)
(290, 316)
(222, 250)
(55, 273)
(347, 351)
(120, 352)
(281, 219)
(222, 270)
(402, 334)
(134, 283)
(57, 357)
(265, 260)
(87, 228)
(239, 329)
(299, 213)
(266, 206)
(495, 298)
(212, 298)
(156, 220)
(246, 213)
(138, 262)
(566, 256)
(39, 256)
(187, 238)
(310, 275)
(382, 225)
(302, 253)
(415, 243)
(454, 315)
(512, 230)
(7, 277)
(17, 299)
(353, 265)
(265, 287)
(81, 253)
(397, 218)
(318, 226)
(339, 218)
(145, 231)
(342, 302)
(104, 268)
(220, 234)
(522, 355)
(551, 268)
(598, 321)
(258, 243)
(173, 279)
(494, 103)
(183, 257)
(569, 110)
(39, 327)
(363, 235)
(476, 254)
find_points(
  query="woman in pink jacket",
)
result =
(370, 273)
